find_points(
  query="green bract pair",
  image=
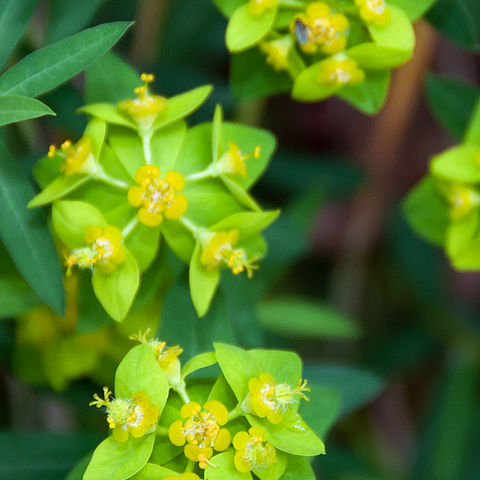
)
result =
(139, 174)
(319, 49)
(445, 206)
(242, 425)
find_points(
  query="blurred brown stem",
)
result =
(382, 153)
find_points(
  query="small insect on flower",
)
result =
(219, 251)
(157, 198)
(201, 432)
(252, 450)
(103, 251)
(271, 399)
(146, 107)
(374, 11)
(135, 416)
(302, 32)
(258, 7)
(78, 158)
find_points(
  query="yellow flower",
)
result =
(201, 431)
(183, 476)
(77, 158)
(232, 162)
(220, 251)
(318, 27)
(271, 399)
(135, 416)
(104, 250)
(340, 72)
(374, 11)
(258, 7)
(145, 108)
(462, 199)
(252, 452)
(167, 357)
(157, 198)
(277, 52)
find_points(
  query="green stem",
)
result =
(190, 467)
(180, 389)
(161, 431)
(189, 225)
(130, 227)
(104, 177)
(235, 413)
(291, 4)
(147, 152)
(207, 173)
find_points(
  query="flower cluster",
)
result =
(139, 174)
(326, 48)
(256, 430)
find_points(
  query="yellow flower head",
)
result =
(103, 250)
(183, 476)
(277, 52)
(462, 199)
(77, 158)
(145, 108)
(318, 28)
(258, 7)
(232, 162)
(155, 197)
(374, 11)
(271, 399)
(135, 416)
(167, 357)
(220, 251)
(252, 451)
(201, 431)
(340, 72)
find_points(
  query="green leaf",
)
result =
(60, 187)
(248, 224)
(299, 467)
(108, 112)
(179, 106)
(143, 244)
(296, 317)
(25, 234)
(245, 30)
(15, 108)
(202, 360)
(153, 472)
(462, 242)
(227, 7)
(225, 468)
(69, 16)
(306, 88)
(427, 212)
(109, 79)
(57, 63)
(119, 461)
(14, 18)
(179, 239)
(139, 371)
(203, 282)
(240, 193)
(166, 145)
(398, 33)
(116, 291)
(292, 435)
(413, 8)
(70, 218)
(370, 95)
(275, 471)
(458, 164)
(77, 472)
(16, 297)
(472, 135)
(452, 102)
(217, 134)
(373, 56)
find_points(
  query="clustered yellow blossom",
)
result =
(201, 431)
(233, 160)
(135, 416)
(258, 7)
(374, 11)
(78, 158)
(146, 107)
(156, 197)
(340, 72)
(320, 28)
(462, 199)
(252, 450)
(220, 251)
(271, 399)
(103, 250)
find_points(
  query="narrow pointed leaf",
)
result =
(16, 108)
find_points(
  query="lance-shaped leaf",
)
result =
(26, 236)
(45, 69)
(16, 108)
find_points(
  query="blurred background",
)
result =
(378, 315)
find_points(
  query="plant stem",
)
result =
(130, 227)
(147, 152)
(104, 177)
(161, 431)
(235, 413)
(291, 4)
(208, 172)
(189, 225)
(180, 389)
(190, 467)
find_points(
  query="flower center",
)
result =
(201, 429)
(259, 455)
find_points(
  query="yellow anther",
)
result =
(233, 161)
(374, 11)
(147, 78)
(52, 150)
(277, 52)
(340, 72)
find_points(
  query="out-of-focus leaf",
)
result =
(14, 17)
(413, 8)
(69, 16)
(16, 297)
(452, 101)
(26, 236)
(45, 69)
